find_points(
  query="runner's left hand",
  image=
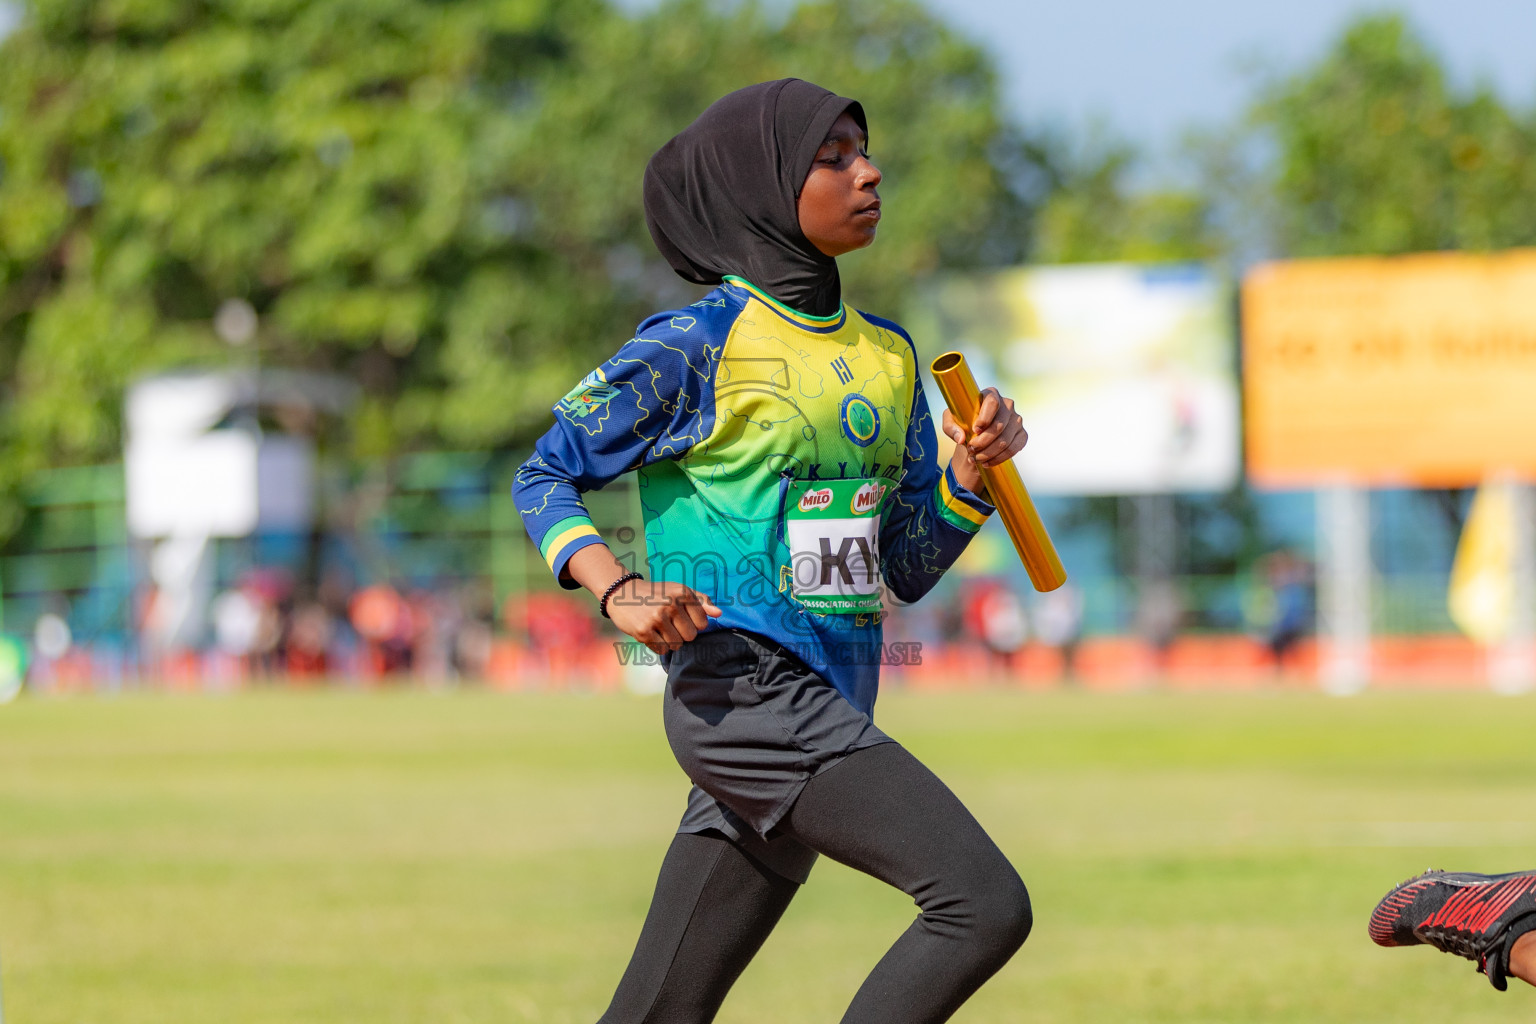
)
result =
(997, 436)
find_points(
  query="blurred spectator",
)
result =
(1059, 624)
(52, 641)
(472, 644)
(560, 629)
(551, 622)
(345, 654)
(950, 620)
(435, 622)
(271, 590)
(1159, 614)
(472, 649)
(237, 623)
(383, 619)
(995, 615)
(52, 637)
(1290, 582)
(309, 641)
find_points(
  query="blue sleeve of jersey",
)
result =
(652, 400)
(931, 518)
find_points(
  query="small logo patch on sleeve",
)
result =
(585, 398)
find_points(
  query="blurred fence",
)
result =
(421, 520)
(436, 523)
(439, 530)
(72, 556)
(1402, 604)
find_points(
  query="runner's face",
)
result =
(839, 207)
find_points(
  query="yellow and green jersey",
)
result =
(787, 470)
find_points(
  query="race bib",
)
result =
(832, 528)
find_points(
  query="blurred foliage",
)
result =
(1094, 212)
(1376, 153)
(1367, 150)
(440, 200)
(957, 176)
(342, 165)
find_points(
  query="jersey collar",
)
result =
(814, 324)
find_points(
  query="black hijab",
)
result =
(720, 198)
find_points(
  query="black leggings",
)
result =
(878, 810)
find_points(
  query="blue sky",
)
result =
(1149, 70)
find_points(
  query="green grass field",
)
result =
(465, 856)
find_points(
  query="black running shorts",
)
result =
(750, 724)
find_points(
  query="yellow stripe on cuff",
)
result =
(584, 530)
(957, 506)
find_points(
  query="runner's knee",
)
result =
(987, 907)
(1005, 916)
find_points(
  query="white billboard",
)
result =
(190, 473)
(1124, 374)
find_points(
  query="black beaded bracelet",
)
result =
(602, 603)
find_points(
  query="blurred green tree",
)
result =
(1373, 152)
(1366, 150)
(958, 177)
(438, 199)
(341, 165)
(1094, 210)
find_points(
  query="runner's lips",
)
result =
(872, 211)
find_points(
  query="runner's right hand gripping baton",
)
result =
(1004, 488)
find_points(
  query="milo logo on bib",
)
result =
(832, 528)
(816, 501)
(867, 498)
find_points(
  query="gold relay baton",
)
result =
(1004, 487)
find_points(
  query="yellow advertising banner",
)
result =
(1395, 370)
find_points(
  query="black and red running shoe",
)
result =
(1475, 916)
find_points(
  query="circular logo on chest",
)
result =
(860, 420)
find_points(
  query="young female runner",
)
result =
(787, 470)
